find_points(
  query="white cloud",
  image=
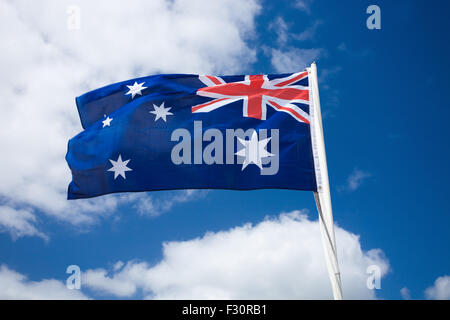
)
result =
(304, 5)
(293, 59)
(45, 66)
(279, 258)
(356, 179)
(16, 286)
(309, 33)
(286, 58)
(119, 285)
(19, 223)
(281, 30)
(405, 293)
(148, 205)
(325, 74)
(440, 290)
(353, 53)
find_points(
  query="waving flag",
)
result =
(194, 131)
(200, 131)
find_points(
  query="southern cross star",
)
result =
(135, 89)
(107, 122)
(161, 112)
(119, 167)
(254, 150)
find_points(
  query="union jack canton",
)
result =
(257, 92)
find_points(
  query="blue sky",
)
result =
(384, 97)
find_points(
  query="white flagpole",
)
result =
(322, 196)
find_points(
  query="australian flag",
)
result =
(176, 131)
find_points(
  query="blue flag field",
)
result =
(177, 131)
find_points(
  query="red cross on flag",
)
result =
(257, 92)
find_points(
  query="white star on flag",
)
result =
(254, 150)
(161, 112)
(119, 167)
(135, 89)
(107, 122)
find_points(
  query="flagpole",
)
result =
(322, 195)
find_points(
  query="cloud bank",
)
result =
(45, 65)
(16, 286)
(440, 290)
(279, 258)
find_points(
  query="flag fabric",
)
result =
(177, 131)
